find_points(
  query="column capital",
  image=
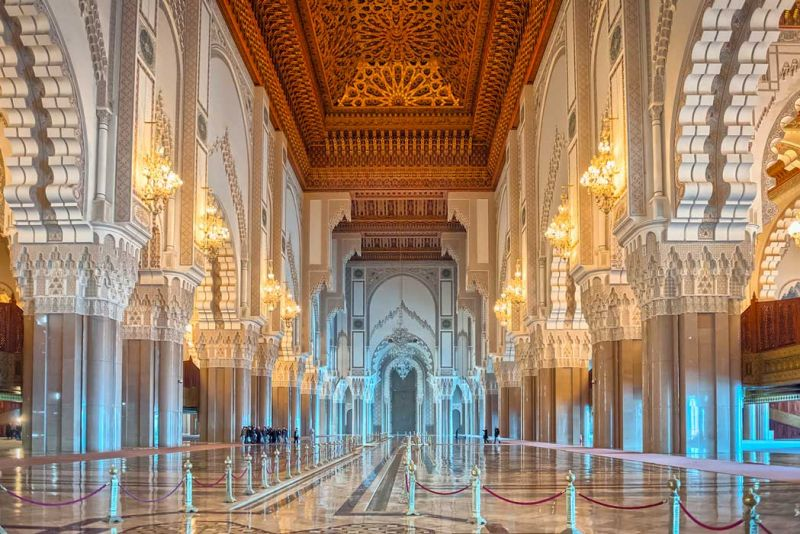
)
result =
(507, 374)
(94, 279)
(673, 278)
(161, 305)
(559, 348)
(611, 309)
(228, 347)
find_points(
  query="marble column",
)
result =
(527, 407)
(691, 365)
(280, 406)
(503, 412)
(756, 421)
(514, 412)
(612, 314)
(72, 361)
(617, 391)
(562, 396)
(226, 361)
(692, 394)
(305, 412)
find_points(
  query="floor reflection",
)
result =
(366, 494)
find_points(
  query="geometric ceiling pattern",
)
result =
(393, 94)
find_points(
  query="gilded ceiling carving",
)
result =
(393, 94)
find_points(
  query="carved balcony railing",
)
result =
(771, 343)
(10, 327)
(771, 325)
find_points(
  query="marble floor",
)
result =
(364, 493)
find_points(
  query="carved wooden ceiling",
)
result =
(393, 94)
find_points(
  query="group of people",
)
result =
(263, 435)
(496, 435)
(13, 432)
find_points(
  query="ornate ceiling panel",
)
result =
(393, 94)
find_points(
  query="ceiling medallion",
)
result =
(398, 84)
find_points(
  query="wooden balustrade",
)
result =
(770, 325)
(11, 326)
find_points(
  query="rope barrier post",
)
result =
(751, 517)
(113, 499)
(277, 466)
(570, 493)
(249, 489)
(477, 519)
(288, 462)
(412, 489)
(264, 473)
(674, 484)
(229, 498)
(188, 507)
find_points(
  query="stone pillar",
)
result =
(153, 330)
(226, 358)
(503, 398)
(561, 385)
(614, 324)
(527, 407)
(74, 298)
(689, 295)
(492, 419)
(563, 395)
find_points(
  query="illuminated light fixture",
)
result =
(290, 308)
(213, 233)
(559, 233)
(160, 181)
(271, 291)
(602, 175)
(794, 228)
(515, 289)
(502, 309)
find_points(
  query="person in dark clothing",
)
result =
(485, 436)
(496, 434)
(296, 437)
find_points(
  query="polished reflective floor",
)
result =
(364, 492)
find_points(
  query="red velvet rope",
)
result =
(524, 503)
(240, 475)
(149, 501)
(205, 485)
(620, 507)
(65, 503)
(709, 527)
(765, 529)
(443, 492)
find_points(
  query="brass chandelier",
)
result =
(290, 308)
(513, 293)
(602, 175)
(503, 309)
(160, 181)
(212, 230)
(559, 233)
(515, 289)
(271, 291)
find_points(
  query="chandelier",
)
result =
(290, 308)
(601, 176)
(160, 183)
(559, 233)
(271, 290)
(515, 289)
(213, 233)
(502, 309)
(794, 228)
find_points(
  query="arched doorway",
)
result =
(404, 399)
